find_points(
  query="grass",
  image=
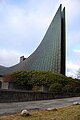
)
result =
(65, 113)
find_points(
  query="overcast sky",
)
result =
(23, 24)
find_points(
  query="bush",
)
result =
(68, 88)
(77, 89)
(55, 82)
(56, 87)
(21, 78)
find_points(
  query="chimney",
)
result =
(22, 58)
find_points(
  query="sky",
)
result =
(23, 23)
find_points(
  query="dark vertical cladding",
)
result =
(63, 43)
(50, 55)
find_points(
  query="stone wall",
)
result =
(22, 96)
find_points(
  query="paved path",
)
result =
(9, 108)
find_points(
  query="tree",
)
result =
(78, 74)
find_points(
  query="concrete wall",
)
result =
(3, 85)
(21, 96)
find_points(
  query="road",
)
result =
(10, 108)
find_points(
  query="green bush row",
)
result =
(55, 82)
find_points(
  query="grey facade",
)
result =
(50, 54)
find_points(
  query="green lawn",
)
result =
(66, 113)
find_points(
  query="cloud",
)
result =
(74, 37)
(72, 66)
(9, 58)
(72, 69)
(76, 51)
(20, 29)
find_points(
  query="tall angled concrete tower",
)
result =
(50, 54)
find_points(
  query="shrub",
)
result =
(55, 82)
(68, 88)
(56, 87)
(21, 78)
